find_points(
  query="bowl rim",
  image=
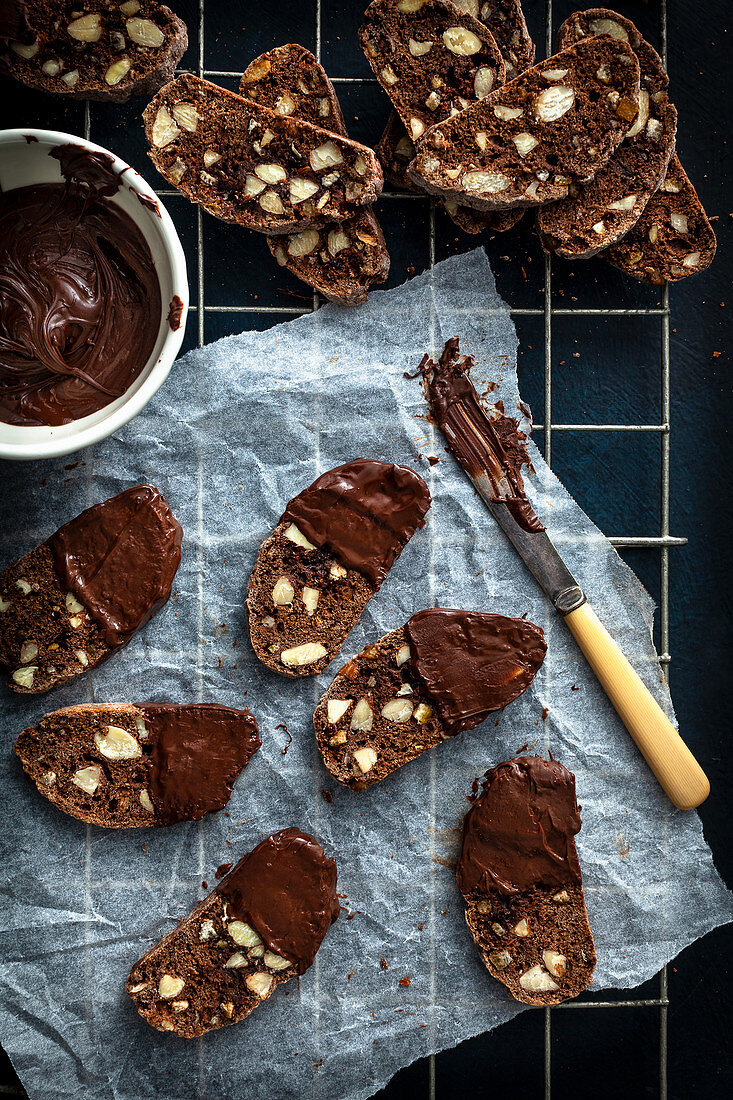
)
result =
(95, 433)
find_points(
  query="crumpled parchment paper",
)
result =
(239, 427)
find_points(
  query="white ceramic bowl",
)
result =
(23, 163)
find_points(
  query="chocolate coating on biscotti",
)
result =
(673, 238)
(601, 212)
(343, 259)
(521, 881)
(124, 765)
(247, 164)
(524, 144)
(98, 50)
(214, 967)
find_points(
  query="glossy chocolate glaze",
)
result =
(119, 558)
(482, 444)
(80, 302)
(364, 512)
(472, 663)
(198, 752)
(286, 890)
(518, 835)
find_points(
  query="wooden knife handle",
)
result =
(664, 750)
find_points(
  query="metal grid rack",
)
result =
(663, 541)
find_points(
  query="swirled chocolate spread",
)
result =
(80, 304)
(518, 835)
(364, 512)
(489, 445)
(119, 558)
(198, 752)
(472, 663)
(286, 890)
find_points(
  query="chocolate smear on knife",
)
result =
(492, 446)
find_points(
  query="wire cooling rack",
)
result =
(546, 313)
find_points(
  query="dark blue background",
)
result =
(605, 371)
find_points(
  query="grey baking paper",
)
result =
(238, 429)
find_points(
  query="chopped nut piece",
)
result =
(211, 157)
(23, 677)
(310, 599)
(283, 593)
(295, 535)
(169, 986)
(498, 928)
(336, 709)
(285, 105)
(491, 182)
(338, 738)
(118, 71)
(608, 26)
(552, 103)
(28, 651)
(525, 143)
(145, 801)
(521, 929)
(397, 710)
(253, 186)
(177, 170)
(24, 586)
(81, 657)
(500, 959)
(643, 116)
(323, 156)
(49, 778)
(207, 931)
(260, 983)
(679, 224)
(186, 116)
(691, 260)
(72, 604)
(433, 101)
(117, 744)
(365, 759)
(388, 75)
(423, 714)
(271, 202)
(144, 32)
(275, 962)
(301, 189)
(305, 654)
(419, 49)
(5, 604)
(130, 7)
(87, 778)
(164, 129)
(88, 28)
(337, 240)
(362, 717)
(179, 1006)
(556, 963)
(243, 934)
(302, 244)
(460, 41)
(235, 960)
(271, 173)
(337, 571)
(626, 203)
(227, 1008)
(403, 654)
(483, 82)
(537, 980)
(417, 128)
(71, 78)
(50, 68)
(23, 50)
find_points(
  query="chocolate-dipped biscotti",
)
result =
(327, 557)
(93, 49)
(70, 603)
(258, 167)
(118, 765)
(260, 927)
(440, 674)
(521, 883)
(342, 259)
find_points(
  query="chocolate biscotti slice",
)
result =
(673, 238)
(260, 927)
(328, 555)
(118, 765)
(94, 49)
(70, 603)
(343, 259)
(524, 144)
(597, 214)
(440, 674)
(521, 883)
(247, 164)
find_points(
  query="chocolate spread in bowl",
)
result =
(80, 304)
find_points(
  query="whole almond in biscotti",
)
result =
(328, 555)
(84, 592)
(257, 167)
(93, 50)
(600, 213)
(260, 927)
(343, 259)
(521, 882)
(515, 147)
(118, 765)
(672, 239)
(437, 676)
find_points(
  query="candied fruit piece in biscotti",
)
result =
(251, 165)
(118, 765)
(326, 558)
(260, 927)
(525, 143)
(95, 50)
(440, 674)
(601, 212)
(521, 882)
(343, 259)
(70, 603)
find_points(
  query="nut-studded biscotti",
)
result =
(247, 164)
(521, 883)
(70, 603)
(440, 674)
(524, 144)
(124, 764)
(672, 239)
(93, 49)
(342, 259)
(329, 554)
(597, 214)
(260, 927)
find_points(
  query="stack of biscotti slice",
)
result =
(81, 595)
(440, 674)
(120, 765)
(521, 882)
(342, 259)
(254, 166)
(327, 557)
(260, 927)
(95, 50)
